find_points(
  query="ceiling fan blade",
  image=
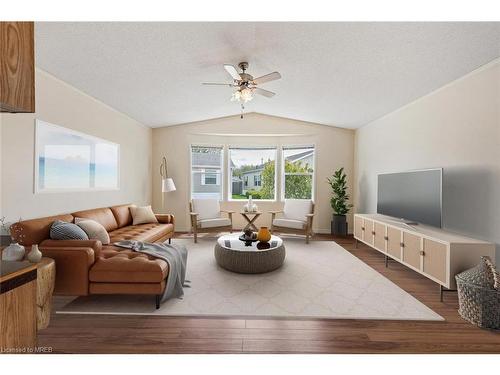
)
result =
(268, 77)
(217, 84)
(232, 72)
(266, 93)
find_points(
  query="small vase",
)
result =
(264, 235)
(35, 255)
(13, 252)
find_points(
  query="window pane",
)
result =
(64, 166)
(252, 173)
(298, 172)
(298, 186)
(206, 172)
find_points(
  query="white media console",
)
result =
(433, 252)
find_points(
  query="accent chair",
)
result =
(206, 216)
(297, 217)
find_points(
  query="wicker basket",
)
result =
(479, 295)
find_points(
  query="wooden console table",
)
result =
(435, 253)
(17, 307)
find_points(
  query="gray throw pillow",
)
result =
(61, 230)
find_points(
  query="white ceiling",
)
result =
(342, 74)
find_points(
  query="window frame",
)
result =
(276, 149)
(221, 178)
(283, 174)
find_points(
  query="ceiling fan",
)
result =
(246, 85)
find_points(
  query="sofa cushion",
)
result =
(120, 265)
(142, 232)
(206, 208)
(297, 209)
(61, 230)
(289, 223)
(34, 231)
(142, 215)
(122, 214)
(94, 230)
(103, 216)
(212, 223)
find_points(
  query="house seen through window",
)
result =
(206, 172)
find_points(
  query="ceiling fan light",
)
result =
(246, 95)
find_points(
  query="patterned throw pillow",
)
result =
(94, 230)
(61, 230)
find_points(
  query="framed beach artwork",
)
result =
(67, 160)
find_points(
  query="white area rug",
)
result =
(320, 280)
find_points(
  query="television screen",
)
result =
(411, 196)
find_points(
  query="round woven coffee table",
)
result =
(256, 257)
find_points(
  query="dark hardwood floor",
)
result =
(151, 334)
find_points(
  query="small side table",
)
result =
(46, 277)
(250, 220)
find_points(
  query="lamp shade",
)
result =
(167, 185)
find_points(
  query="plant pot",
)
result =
(339, 225)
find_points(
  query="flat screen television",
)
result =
(414, 196)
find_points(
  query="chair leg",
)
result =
(307, 237)
(195, 232)
(157, 301)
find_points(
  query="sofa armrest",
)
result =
(94, 245)
(165, 218)
(73, 260)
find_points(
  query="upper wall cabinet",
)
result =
(17, 67)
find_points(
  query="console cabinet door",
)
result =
(379, 236)
(394, 242)
(435, 259)
(368, 232)
(358, 225)
(411, 249)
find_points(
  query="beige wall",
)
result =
(334, 149)
(62, 104)
(456, 127)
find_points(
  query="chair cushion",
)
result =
(122, 215)
(212, 223)
(94, 230)
(142, 215)
(289, 223)
(297, 209)
(126, 266)
(142, 232)
(206, 208)
(61, 230)
(103, 216)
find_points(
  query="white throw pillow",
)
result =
(142, 215)
(94, 230)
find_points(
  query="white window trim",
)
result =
(276, 149)
(283, 174)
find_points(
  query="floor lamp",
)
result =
(167, 183)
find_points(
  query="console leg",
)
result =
(157, 300)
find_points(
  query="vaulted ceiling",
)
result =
(342, 74)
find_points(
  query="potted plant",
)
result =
(339, 202)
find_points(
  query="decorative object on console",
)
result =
(339, 203)
(35, 255)
(13, 252)
(264, 235)
(142, 215)
(479, 294)
(250, 206)
(62, 230)
(94, 230)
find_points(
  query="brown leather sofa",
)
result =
(88, 267)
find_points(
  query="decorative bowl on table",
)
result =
(248, 237)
